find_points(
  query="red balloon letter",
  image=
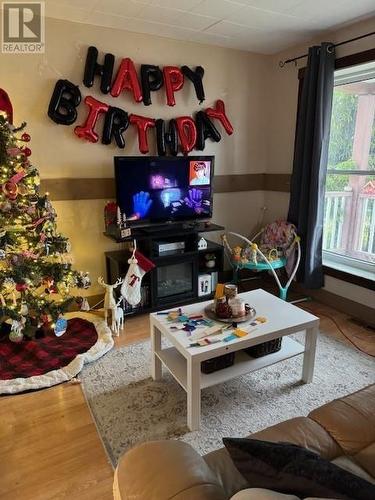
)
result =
(174, 80)
(127, 79)
(142, 123)
(219, 114)
(86, 131)
(187, 132)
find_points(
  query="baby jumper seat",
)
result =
(278, 246)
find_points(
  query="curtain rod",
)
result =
(295, 59)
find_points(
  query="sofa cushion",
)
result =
(350, 420)
(262, 494)
(291, 469)
(299, 430)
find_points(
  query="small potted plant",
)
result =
(210, 260)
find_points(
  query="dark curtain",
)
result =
(306, 204)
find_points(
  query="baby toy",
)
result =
(279, 246)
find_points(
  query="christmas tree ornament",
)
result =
(139, 265)
(25, 137)
(83, 280)
(16, 334)
(26, 151)
(21, 287)
(60, 327)
(24, 310)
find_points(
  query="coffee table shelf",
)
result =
(176, 363)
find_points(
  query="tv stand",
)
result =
(140, 233)
(179, 263)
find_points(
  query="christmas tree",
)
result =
(36, 273)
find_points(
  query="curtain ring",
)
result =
(330, 49)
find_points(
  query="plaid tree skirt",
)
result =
(33, 364)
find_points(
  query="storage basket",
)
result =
(257, 351)
(215, 364)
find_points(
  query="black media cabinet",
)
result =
(174, 281)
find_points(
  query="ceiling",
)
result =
(264, 26)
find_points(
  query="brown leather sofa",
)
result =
(342, 431)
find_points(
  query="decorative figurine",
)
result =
(210, 260)
(117, 318)
(202, 244)
(109, 298)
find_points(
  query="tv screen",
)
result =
(155, 189)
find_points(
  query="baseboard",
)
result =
(355, 309)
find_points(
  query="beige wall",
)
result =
(234, 76)
(282, 109)
(260, 98)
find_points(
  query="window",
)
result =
(349, 211)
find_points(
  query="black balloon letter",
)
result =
(196, 77)
(92, 68)
(115, 123)
(65, 98)
(164, 138)
(152, 79)
(205, 129)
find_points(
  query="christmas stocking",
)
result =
(139, 265)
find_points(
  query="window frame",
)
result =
(329, 260)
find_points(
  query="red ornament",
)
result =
(26, 151)
(21, 287)
(187, 132)
(219, 114)
(10, 189)
(142, 123)
(25, 137)
(44, 319)
(174, 80)
(127, 79)
(86, 131)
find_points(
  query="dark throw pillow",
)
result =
(292, 469)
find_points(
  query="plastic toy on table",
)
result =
(278, 246)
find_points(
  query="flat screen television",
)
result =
(156, 189)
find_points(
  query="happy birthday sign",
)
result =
(184, 132)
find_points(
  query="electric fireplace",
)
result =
(175, 281)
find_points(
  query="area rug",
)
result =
(129, 407)
(34, 364)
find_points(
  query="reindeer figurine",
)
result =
(109, 298)
(117, 318)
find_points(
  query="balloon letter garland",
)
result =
(142, 123)
(86, 131)
(174, 80)
(92, 68)
(66, 96)
(187, 133)
(127, 79)
(115, 124)
(184, 132)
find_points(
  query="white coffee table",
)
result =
(184, 362)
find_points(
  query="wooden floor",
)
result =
(49, 447)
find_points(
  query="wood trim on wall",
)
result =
(99, 189)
